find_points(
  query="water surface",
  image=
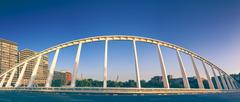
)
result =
(8, 96)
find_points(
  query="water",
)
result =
(67, 97)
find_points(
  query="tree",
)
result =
(57, 83)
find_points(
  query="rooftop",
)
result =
(8, 41)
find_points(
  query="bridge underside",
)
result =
(94, 90)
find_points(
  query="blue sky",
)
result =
(207, 27)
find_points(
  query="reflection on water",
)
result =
(67, 97)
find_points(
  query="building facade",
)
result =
(8, 57)
(42, 70)
(68, 78)
(8, 54)
(65, 77)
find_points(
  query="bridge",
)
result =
(224, 82)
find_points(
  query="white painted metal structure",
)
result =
(228, 83)
(76, 63)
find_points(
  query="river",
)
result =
(12, 96)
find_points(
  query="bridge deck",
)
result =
(122, 90)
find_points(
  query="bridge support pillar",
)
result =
(105, 65)
(216, 79)
(223, 80)
(3, 80)
(231, 81)
(19, 80)
(184, 74)
(76, 63)
(199, 80)
(136, 65)
(236, 84)
(11, 78)
(228, 82)
(52, 69)
(163, 68)
(34, 73)
(208, 76)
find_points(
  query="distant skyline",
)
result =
(207, 27)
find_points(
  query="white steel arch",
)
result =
(225, 78)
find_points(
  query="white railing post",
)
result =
(163, 68)
(34, 73)
(52, 69)
(223, 80)
(9, 82)
(76, 63)
(105, 64)
(3, 80)
(208, 76)
(199, 80)
(136, 65)
(182, 68)
(219, 86)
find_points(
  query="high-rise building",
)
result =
(8, 55)
(170, 76)
(42, 69)
(59, 75)
(68, 77)
(63, 76)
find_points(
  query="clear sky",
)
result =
(208, 27)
